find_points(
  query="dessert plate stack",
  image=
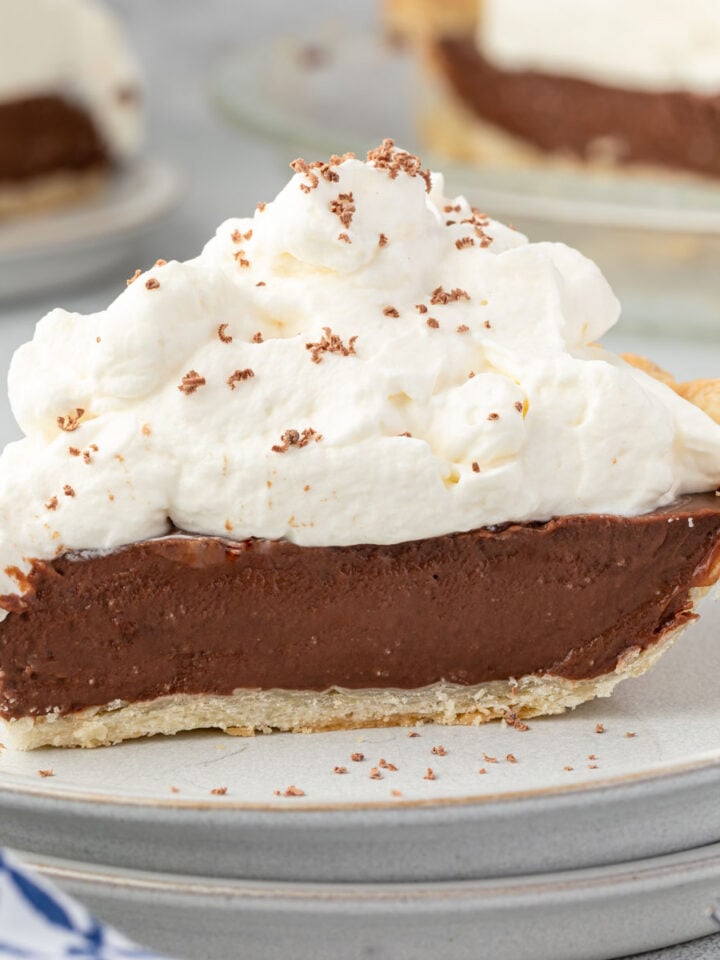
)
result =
(400, 843)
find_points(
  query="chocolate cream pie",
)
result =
(597, 81)
(361, 462)
(70, 101)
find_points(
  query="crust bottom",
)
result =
(248, 712)
(47, 192)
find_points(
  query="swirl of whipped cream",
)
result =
(73, 48)
(363, 360)
(654, 45)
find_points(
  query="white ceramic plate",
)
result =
(75, 243)
(583, 915)
(145, 803)
(657, 238)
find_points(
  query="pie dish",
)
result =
(70, 101)
(522, 82)
(361, 462)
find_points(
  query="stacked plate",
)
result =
(589, 836)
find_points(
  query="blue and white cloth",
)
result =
(39, 922)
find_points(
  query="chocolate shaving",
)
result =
(303, 167)
(238, 376)
(439, 751)
(357, 757)
(463, 328)
(387, 157)
(475, 466)
(261, 205)
(330, 343)
(68, 490)
(340, 770)
(46, 773)
(343, 206)
(463, 242)
(52, 503)
(421, 308)
(430, 775)
(236, 236)
(390, 312)
(225, 337)
(323, 168)
(432, 322)
(294, 792)
(512, 720)
(442, 296)
(292, 438)
(152, 284)
(219, 791)
(258, 338)
(190, 382)
(134, 277)
(375, 774)
(382, 240)
(344, 237)
(71, 422)
(73, 451)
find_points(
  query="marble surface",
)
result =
(178, 42)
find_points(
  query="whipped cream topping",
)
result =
(73, 48)
(360, 361)
(657, 45)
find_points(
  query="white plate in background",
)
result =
(72, 244)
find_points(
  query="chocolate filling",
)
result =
(47, 134)
(192, 614)
(560, 114)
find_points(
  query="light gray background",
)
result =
(178, 42)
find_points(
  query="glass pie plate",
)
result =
(657, 238)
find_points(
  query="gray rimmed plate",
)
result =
(558, 796)
(590, 914)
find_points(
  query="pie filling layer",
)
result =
(44, 135)
(560, 114)
(203, 615)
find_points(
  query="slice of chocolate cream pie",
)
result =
(361, 462)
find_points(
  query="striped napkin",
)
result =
(39, 922)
